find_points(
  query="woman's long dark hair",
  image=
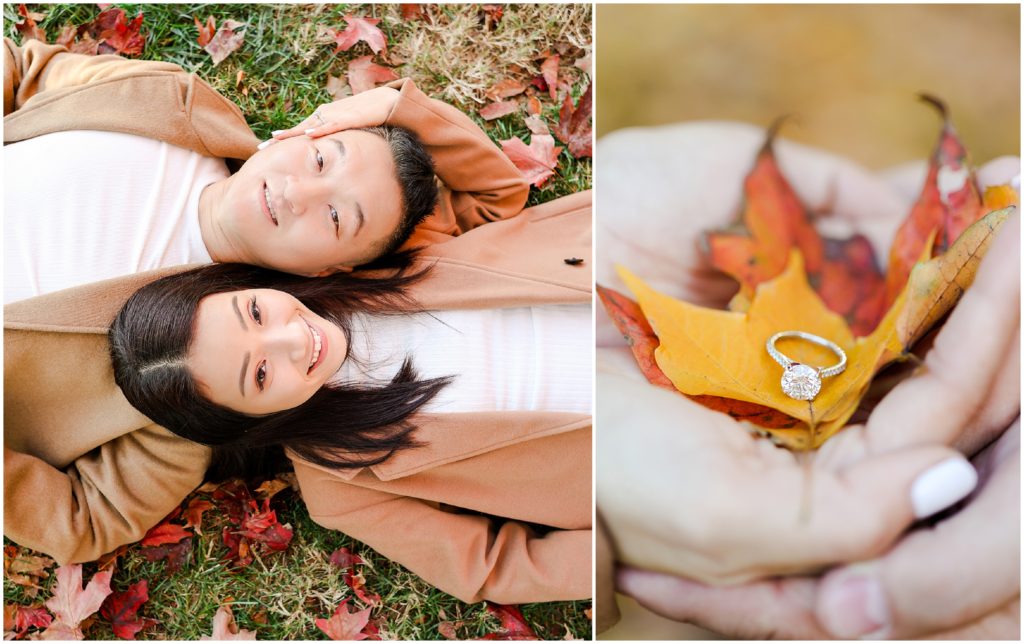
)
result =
(343, 426)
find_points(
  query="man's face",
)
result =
(313, 206)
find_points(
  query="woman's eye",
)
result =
(261, 374)
(319, 160)
(254, 311)
(335, 219)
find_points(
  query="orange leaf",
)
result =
(28, 28)
(505, 89)
(205, 31)
(194, 514)
(498, 110)
(549, 70)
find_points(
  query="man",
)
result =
(142, 153)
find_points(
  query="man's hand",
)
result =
(368, 109)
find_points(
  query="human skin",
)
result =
(256, 351)
(662, 188)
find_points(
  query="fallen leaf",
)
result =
(176, 554)
(344, 558)
(492, 14)
(269, 488)
(575, 126)
(448, 630)
(533, 105)
(205, 31)
(364, 74)
(357, 582)
(67, 36)
(164, 532)
(337, 88)
(194, 514)
(225, 41)
(85, 45)
(343, 625)
(71, 604)
(25, 570)
(122, 610)
(360, 29)
(505, 89)
(948, 203)
(497, 110)
(512, 623)
(19, 619)
(412, 12)
(28, 28)
(109, 560)
(233, 499)
(538, 160)
(549, 70)
(121, 37)
(225, 628)
(583, 63)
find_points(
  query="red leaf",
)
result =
(343, 625)
(225, 628)
(549, 70)
(205, 31)
(71, 604)
(28, 28)
(505, 89)
(233, 498)
(85, 45)
(364, 74)
(122, 610)
(536, 161)
(19, 619)
(492, 15)
(175, 554)
(583, 64)
(412, 12)
(575, 126)
(364, 29)
(122, 37)
(344, 558)
(357, 582)
(225, 41)
(256, 528)
(533, 106)
(194, 513)
(512, 622)
(498, 110)
(165, 533)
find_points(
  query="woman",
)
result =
(245, 360)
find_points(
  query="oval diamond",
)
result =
(801, 382)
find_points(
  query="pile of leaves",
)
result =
(792, 278)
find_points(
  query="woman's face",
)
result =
(261, 351)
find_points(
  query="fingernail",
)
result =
(264, 144)
(276, 132)
(942, 485)
(855, 607)
(310, 130)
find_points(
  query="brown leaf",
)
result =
(71, 604)
(498, 110)
(364, 74)
(337, 88)
(533, 106)
(505, 89)
(67, 36)
(512, 623)
(574, 124)
(85, 45)
(205, 31)
(225, 41)
(536, 161)
(360, 29)
(448, 630)
(492, 14)
(412, 12)
(345, 626)
(583, 63)
(25, 570)
(225, 628)
(549, 70)
(194, 513)
(28, 28)
(269, 488)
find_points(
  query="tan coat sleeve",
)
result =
(480, 183)
(469, 556)
(36, 67)
(104, 499)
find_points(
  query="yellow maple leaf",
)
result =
(722, 353)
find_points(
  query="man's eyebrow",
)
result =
(360, 217)
(241, 377)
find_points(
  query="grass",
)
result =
(286, 63)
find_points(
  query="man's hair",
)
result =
(414, 171)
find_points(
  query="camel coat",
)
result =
(85, 472)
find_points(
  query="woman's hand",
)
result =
(367, 109)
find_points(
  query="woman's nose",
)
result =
(289, 340)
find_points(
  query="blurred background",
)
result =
(849, 74)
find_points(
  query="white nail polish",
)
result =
(264, 144)
(942, 485)
(276, 132)
(310, 130)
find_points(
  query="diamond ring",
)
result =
(800, 381)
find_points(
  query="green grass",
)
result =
(286, 64)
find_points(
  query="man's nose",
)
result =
(300, 193)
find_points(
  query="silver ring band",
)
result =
(319, 117)
(800, 381)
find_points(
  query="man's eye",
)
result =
(319, 160)
(334, 218)
(261, 374)
(254, 311)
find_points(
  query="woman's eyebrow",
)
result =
(238, 312)
(245, 361)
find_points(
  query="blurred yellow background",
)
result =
(849, 74)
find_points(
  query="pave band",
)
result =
(800, 381)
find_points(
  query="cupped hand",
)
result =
(367, 109)
(959, 575)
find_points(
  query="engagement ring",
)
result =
(800, 381)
